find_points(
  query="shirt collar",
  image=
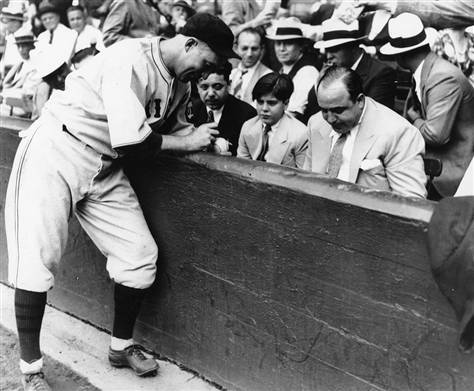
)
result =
(356, 64)
(252, 68)
(215, 111)
(417, 73)
(156, 54)
(274, 126)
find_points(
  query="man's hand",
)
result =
(413, 114)
(201, 138)
(263, 19)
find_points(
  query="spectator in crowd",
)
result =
(433, 13)
(52, 69)
(290, 51)
(440, 104)
(457, 46)
(87, 35)
(341, 43)
(356, 139)
(217, 105)
(250, 47)
(274, 136)
(13, 19)
(181, 11)
(21, 81)
(56, 36)
(130, 19)
(242, 14)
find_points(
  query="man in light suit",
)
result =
(250, 47)
(440, 105)
(273, 136)
(355, 139)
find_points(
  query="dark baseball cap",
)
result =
(212, 31)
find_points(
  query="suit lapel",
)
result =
(425, 71)
(364, 140)
(278, 148)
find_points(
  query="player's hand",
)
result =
(202, 137)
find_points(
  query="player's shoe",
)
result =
(133, 357)
(35, 382)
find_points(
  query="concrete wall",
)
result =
(275, 279)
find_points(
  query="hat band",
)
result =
(288, 31)
(402, 43)
(341, 34)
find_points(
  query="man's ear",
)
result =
(190, 42)
(360, 99)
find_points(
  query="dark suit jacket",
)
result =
(234, 114)
(447, 123)
(378, 82)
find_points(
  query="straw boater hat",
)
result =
(406, 32)
(11, 13)
(336, 32)
(285, 30)
(24, 36)
(48, 61)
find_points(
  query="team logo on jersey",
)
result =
(153, 109)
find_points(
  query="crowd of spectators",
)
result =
(363, 91)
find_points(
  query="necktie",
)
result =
(335, 159)
(210, 116)
(238, 84)
(264, 150)
(51, 37)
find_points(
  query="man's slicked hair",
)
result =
(224, 68)
(254, 31)
(278, 84)
(347, 76)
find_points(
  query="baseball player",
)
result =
(131, 98)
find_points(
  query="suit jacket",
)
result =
(234, 114)
(387, 155)
(246, 95)
(287, 147)
(447, 123)
(378, 82)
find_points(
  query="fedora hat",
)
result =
(336, 32)
(286, 29)
(184, 4)
(11, 13)
(406, 32)
(45, 7)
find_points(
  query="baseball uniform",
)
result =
(66, 164)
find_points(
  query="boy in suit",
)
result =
(274, 136)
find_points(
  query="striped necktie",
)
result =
(238, 84)
(210, 116)
(335, 158)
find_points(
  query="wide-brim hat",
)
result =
(336, 33)
(45, 7)
(12, 13)
(47, 61)
(284, 30)
(406, 32)
(182, 3)
(24, 36)
(213, 32)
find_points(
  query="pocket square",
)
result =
(369, 164)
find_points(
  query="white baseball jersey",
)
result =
(116, 100)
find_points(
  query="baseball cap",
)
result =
(212, 31)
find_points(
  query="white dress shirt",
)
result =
(217, 113)
(417, 77)
(271, 134)
(89, 36)
(64, 40)
(347, 149)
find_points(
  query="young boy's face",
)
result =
(270, 109)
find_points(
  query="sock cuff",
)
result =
(32, 367)
(23, 297)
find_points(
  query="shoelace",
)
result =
(38, 382)
(137, 351)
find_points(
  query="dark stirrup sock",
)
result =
(29, 311)
(127, 306)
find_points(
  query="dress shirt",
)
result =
(271, 134)
(89, 36)
(63, 41)
(246, 77)
(417, 77)
(217, 113)
(356, 64)
(348, 148)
